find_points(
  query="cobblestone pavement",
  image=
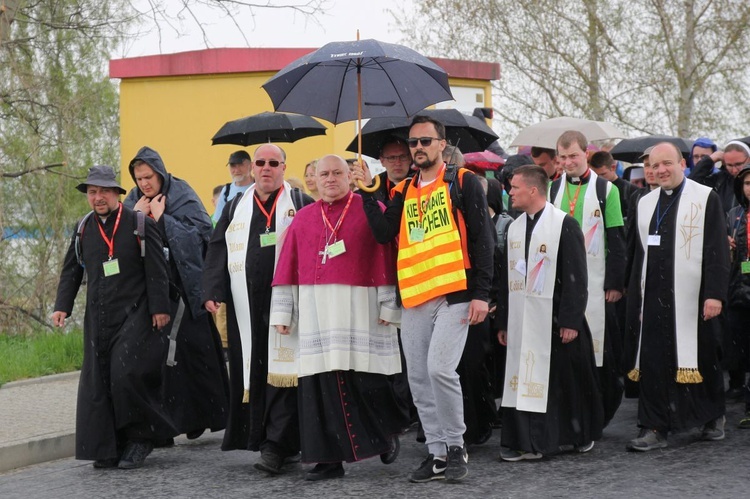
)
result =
(38, 409)
(687, 468)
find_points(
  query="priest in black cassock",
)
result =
(551, 400)
(119, 413)
(239, 269)
(679, 281)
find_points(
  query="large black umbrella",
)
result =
(470, 133)
(395, 81)
(630, 150)
(268, 127)
(344, 81)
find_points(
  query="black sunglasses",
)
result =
(271, 162)
(425, 141)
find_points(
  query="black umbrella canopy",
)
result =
(470, 133)
(630, 150)
(396, 81)
(268, 127)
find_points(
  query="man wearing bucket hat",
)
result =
(119, 411)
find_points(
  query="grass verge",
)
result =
(39, 354)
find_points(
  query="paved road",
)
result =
(687, 468)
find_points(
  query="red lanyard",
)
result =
(273, 208)
(335, 229)
(111, 242)
(429, 194)
(747, 234)
(572, 205)
(388, 188)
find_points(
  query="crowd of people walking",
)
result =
(443, 300)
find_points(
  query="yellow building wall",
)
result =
(178, 115)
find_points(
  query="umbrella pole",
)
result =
(376, 179)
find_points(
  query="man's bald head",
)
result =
(668, 165)
(333, 178)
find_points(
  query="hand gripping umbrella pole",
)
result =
(376, 179)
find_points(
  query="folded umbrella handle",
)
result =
(374, 187)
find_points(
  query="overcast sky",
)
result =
(272, 28)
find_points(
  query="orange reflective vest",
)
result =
(436, 265)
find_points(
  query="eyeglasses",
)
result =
(271, 162)
(425, 141)
(400, 157)
(735, 166)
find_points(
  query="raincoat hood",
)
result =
(700, 142)
(185, 227)
(738, 191)
(151, 158)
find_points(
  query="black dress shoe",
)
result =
(134, 455)
(293, 459)
(392, 454)
(192, 435)
(734, 394)
(484, 437)
(106, 463)
(325, 471)
(161, 443)
(270, 462)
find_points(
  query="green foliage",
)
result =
(39, 354)
(57, 105)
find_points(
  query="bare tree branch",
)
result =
(30, 170)
(27, 313)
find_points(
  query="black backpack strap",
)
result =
(140, 231)
(226, 192)
(453, 179)
(601, 194)
(297, 200)
(79, 233)
(553, 189)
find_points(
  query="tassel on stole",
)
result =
(688, 376)
(282, 380)
(634, 375)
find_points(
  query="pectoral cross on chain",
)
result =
(324, 253)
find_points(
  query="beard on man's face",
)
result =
(424, 161)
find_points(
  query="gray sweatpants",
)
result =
(433, 336)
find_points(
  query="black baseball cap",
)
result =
(238, 157)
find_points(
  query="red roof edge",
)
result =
(248, 60)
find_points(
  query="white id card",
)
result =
(654, 240)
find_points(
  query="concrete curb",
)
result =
(37, 450)
(44, 379)
(28, 448)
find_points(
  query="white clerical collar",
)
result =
(532, 216)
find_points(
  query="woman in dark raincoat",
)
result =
(195, 387)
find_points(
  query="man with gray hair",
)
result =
(334, 306)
